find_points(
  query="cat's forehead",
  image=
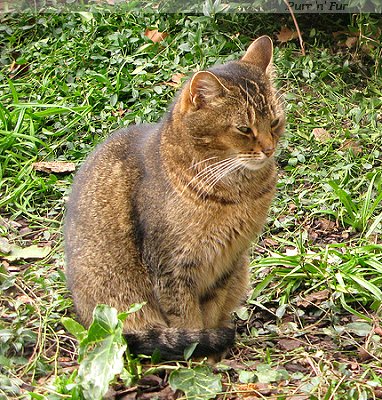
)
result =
(252, 86)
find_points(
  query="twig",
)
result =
(297, 27)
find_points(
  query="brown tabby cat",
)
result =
(165, 214)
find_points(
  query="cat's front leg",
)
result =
(226, 296)
(180, 304)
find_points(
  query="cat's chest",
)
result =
(213, 238)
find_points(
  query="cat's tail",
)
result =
(172, 342)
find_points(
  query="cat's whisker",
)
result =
(216, 171)
(209, 169)
(223, 173)
(218, 175)
(193, 165)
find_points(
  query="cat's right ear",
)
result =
(260, 53)
(204, 88)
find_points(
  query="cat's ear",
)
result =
(260, 53)
(205, 88)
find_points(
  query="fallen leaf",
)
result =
(326, 225)
(285, 35)
(290, 252)
(378, 331)
(352, 145)
(378, 392)
(339, 33)
(361, 329)
(58, 167)
(155, 35)
(5, 247)
(163, 394)
(19, 253)
(177, 78)
(289, 344)
(363, 354)
(321, 134)
(17, 70)
(24, 299)
(253, 390)
(351, 42)
(314, 298)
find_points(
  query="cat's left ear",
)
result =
(260, 53)
(205, 88)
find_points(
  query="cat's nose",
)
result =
(269, 151)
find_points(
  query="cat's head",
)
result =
(232, 111)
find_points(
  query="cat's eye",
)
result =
(244, 129)
(275, 122)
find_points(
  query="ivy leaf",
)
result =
(105, 320)
(101, 364)
(265, 374)
(247, 376)
(359, 328)
(198, 384)
(188, 351)
(30, 252)
(73, 327)
(101, 352)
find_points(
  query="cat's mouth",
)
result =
(253, 162)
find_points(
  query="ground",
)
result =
(311, 328)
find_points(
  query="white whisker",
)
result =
(206, 171)
(219, 176)
(201, 162)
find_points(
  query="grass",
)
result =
(69, 79)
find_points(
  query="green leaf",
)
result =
(247, 376)
(101, 364)
(266, 374)
(133, 308)
(105, 320)
(101, 353)
(188, 351)
(359, 328)
(74, 327)
(86, 16)
(198, 384)
(31, 252)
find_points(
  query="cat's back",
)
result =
(101, 201)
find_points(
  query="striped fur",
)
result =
(165, 214)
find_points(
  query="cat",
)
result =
(165, 214)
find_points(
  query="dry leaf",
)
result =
(351, 42)
(326, 225)
(286, 35)
(363, 354)
(155, 35)
(58, 167)
(17, 70)
(289, 344)
(314, 298)
(378, 331)
(24, 299)
(290, 252)
(5, 247)
(176, 80)
(351, 144)
(321, 134)
(250, 391)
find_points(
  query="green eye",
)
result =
(244, 129)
